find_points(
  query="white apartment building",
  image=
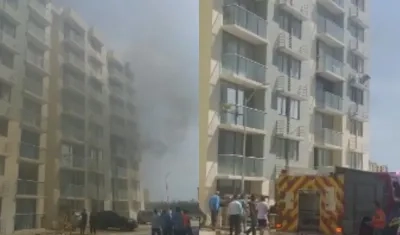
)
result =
(283, 83)
(67, 119)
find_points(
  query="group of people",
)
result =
(83, 221)
(240, 210)
(170, 222)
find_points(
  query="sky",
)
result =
(160, 38)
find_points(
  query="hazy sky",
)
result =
(161, 39)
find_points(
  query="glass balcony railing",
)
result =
(75, 133)
(329, 27)
(244, 67)
(328, 136)
(38, 33)
(75, 83)
(29, 187)
(329, 64)
(233, 165)
(27, 221)
(329, 100)
(235, 14)
(243, 116)
(31, 118)
(34, 86)
(72, 161)
(79, 40)
(75, 61)
(37, 60)
(72, 190)
(30, 151)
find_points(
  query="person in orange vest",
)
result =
(379, 219)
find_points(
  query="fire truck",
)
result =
(336, 201)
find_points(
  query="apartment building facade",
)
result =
(283, 85)
(67, 127)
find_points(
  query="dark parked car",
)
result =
(110, 219)
(145, 216)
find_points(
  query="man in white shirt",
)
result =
(235, 213)
(262, 214)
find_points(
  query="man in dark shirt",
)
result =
(83, 222)
(93, 222)
(253, 215)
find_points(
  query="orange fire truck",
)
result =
(335, 202)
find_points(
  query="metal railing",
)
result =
(327, 26)
(29, 188)
(329, 136)
(234, 114)
(329, 64)
(329, 100)
(72, 190)
(30, 151)
(245, 67)
(235, 14)
(232, 164)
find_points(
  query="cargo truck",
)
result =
(336, 201)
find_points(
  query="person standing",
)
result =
(214, 205)
(156, 223)
(262, 214)
(83, 222)
(243, 200)
(166, 220)
(379, 219)
(253, 215)
(93, 222)
(186, 222)
(178, 222)
(235, 213)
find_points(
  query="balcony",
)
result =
(120, 172)
(231, 166)
(75, 41)
(358, 112)
(73, 18)
(118, 129)
(96, 192)
(30, 188)
(34, 88)
(358, 16)
(10, 12)
(329, 32)
(71, 161)
(120, 195)
(37, 63)
(75, 63)
(74, 84)
(32, 152)
(330, 68)
(243, 71)
(96, 55)
(356, 144)
(328, 138)
(116, 75)
(284, 130)
(117, 110)
(38, 37)
(334, 6)
(95, 165)
(74, 134)
(117, 91)
(33, 120)
(359, 80)
(40, 12)
(291, 87)
(72, 191)
(74, 109)
(358, 48)
(8, 42)
(240, 118)
(329, 103)
(5, 108)
(244, 24)
(293, 7)
(292, 46)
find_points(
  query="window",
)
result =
(230, 143)
(356, 128)
(290, 24)
(3, 127)
(288, 107)
(294, 109)
(288, 65)
(355, 160)
(323, 157)
(357, 95)
(233, 45)
(356, 63)
(287, 148)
